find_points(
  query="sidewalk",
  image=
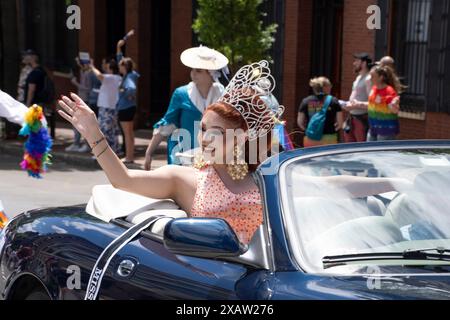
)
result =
(64, 138)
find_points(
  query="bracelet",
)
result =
(96, 143)
(102, 152)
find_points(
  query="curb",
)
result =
(72, 159)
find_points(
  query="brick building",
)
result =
(315, 37)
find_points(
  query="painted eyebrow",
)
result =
(214, 127)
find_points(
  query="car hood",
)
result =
(409, 284)
(400, 287)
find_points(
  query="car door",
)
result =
(152, 272)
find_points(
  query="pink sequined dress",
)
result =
(213, 199)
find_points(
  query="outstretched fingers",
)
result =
(69, 102)
(79, 102)
(76, 98)
(65, 116)
(65, 106)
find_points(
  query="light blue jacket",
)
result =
(184, 115)
(127, 89)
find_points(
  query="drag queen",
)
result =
(220, 185)
(188, 103)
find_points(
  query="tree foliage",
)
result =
(235, 28)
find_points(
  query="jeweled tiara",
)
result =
(250, 92)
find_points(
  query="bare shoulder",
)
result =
(184, 185)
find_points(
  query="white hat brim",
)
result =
(203, 58)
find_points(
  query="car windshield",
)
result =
(323, 217)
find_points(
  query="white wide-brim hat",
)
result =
(203, 58)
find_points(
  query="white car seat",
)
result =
(321, 214)
(403, 211)
(108, 203)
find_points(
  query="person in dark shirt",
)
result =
(35, 83)
(321, 87)
(40, 90)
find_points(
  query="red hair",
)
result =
(230, 114)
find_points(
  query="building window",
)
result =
(438, 73)
(421, 47)
(410, 37)
(115, 13)
(327, 48)
(45, 30)
(416, 46)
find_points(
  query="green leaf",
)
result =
(235, 28)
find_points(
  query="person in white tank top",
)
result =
(356, 125)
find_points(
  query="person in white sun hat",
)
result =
(189, 102)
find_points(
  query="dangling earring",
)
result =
(199, 161)
(239, 169)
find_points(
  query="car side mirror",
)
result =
(205, 238)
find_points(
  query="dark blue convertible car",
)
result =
(317, 240)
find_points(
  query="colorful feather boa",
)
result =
(38, 146)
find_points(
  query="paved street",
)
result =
(63, 185)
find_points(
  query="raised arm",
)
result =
(97, 72)
(159, 184)
(121, 43)
(119, 52)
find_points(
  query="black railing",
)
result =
(421, 47)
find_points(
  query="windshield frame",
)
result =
(295, 249)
